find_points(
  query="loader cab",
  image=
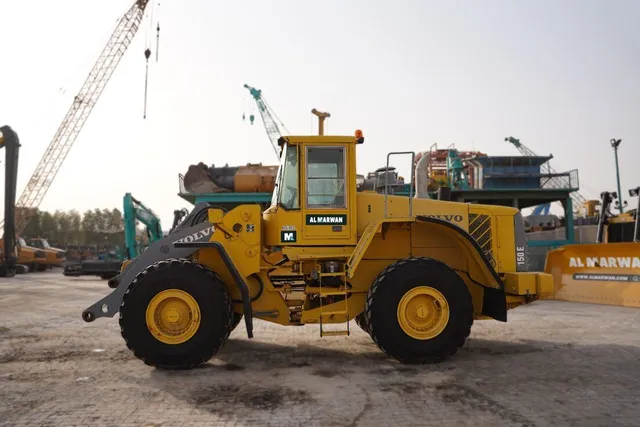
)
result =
(314, 200)
(620, 228)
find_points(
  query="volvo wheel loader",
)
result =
(606, 271)
(414, 273)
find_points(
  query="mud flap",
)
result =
(494, 304)
(240, 283)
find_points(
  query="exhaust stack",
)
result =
(635, 192)
(607, 198)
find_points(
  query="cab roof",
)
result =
(320, 139)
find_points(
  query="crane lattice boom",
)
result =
(267, 115)
(83, 103)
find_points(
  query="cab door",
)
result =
(326, 203)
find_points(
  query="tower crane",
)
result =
(553, 182)
(268, 116)
(76, 117)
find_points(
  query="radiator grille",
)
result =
(480, 230)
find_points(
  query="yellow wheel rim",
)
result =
(423, 313)
(173, 316)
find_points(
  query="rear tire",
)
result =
(193, 293)
(418, 310)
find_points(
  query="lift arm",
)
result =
(10, 142)
(135, 211)
(82, 105)
(178, 215)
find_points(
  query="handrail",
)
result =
(386, 180)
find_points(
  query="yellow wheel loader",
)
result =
(55, 257)
(604, 272)
(413, 273)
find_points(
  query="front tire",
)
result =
(176, 314)
(237, 317)
(418, 310)
(361, 320)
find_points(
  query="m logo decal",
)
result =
(288, 236)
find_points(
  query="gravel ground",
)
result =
(553, 363)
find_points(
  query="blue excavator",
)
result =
(108, 264)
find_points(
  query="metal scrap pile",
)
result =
(252, 178)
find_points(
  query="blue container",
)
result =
(511, 172)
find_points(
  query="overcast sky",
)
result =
(562, 76)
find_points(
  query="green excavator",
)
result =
(109, 264)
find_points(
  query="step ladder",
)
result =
(373, 229)
(341, 291)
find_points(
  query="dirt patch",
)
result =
(223, 398)
(381, 372)
(496, 348)
(8, 357)
(57, 355)
(402, 387)
(454, 393)
(18, 335)
(282, 356)
(368, 406)
(407, 369)
(63, 354)
(299, 363)
(325, 373)
(233, 367)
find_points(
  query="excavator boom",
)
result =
(135, 211)
(10, 142)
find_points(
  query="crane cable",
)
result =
(157, 40)
(147, 53)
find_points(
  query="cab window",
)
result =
(288, 179)
(326, 177)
